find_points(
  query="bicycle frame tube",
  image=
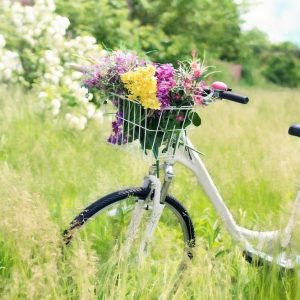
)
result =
(193, 162)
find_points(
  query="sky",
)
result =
(280, 19)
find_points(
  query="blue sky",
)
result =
(278, 18)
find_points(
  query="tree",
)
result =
(107, 20)
(206, 25)
(283, 65)
(170, 28)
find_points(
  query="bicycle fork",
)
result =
(157, 197)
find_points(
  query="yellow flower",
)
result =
(141, 85)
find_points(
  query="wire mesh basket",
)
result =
(158, 132)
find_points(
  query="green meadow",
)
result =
(49, 173)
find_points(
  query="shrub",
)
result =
(42, 50)
(283, 69)
(10, 66)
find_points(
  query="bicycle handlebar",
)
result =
(227, 95)
(233, 97)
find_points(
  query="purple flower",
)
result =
(105, 73)
(165, 75)
(93, 80)
(117, 137)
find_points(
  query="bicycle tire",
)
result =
(141, 193)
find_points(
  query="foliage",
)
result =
(278, 63)
(254, 45)
(11, 69)
(283, 70)
(38, 36)
(170, 28)
(191, 24)
(106, 20)
(283, 65)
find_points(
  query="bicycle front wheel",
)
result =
(105, 224)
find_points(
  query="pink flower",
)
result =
(177, 97)
(180, 118)
(194, 65)
(197, 73)
(187, 84)
(198, 99)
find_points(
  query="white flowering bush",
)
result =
(11, 70)
(35, 43)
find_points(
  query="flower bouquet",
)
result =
(154, 102)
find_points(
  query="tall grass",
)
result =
(49, 173)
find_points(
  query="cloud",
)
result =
(278, 18)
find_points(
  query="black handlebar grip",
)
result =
(233, 97)
(295, 130)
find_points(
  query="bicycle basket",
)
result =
(156, 131)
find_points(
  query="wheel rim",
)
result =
(106, 232)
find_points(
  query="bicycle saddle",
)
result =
(295, 130)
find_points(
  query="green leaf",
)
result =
(194, 117)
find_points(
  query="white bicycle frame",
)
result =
(242, 235)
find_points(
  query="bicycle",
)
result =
(129, 219)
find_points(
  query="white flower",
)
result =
(44, 32)
(7, 74)
(63, 22)
(73, 121)
(59, 39)
(68, 82)
(2, 41)
(42, 95)
(89, 40)
(18, 22)
(90, 96)
(51, 58)
(68, 117)
(82, 122)
(80, 92)
(76, 75)
(55, 111)
(98, 116)
(19, 68)
(90, 110)
(56, 103)
(85, 100)
(37, 32)
(51, 78)
(78, 122)
(29, 14)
